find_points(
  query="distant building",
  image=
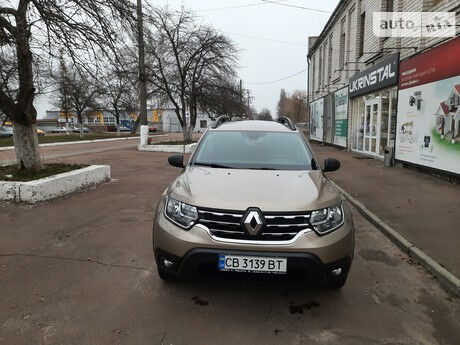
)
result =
(171, 122)
(164, 119)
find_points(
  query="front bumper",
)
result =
(194, 249)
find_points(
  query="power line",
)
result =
(239, 6)
(295, 6)
(275, 81)
(265, 39)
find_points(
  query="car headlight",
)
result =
(327, 219)
(180, 213)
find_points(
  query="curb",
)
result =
(445, 278)
(6, 148)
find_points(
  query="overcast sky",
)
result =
(261, 60)
(264, 61)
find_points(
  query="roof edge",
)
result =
(329, 23)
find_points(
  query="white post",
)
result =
(144, 134)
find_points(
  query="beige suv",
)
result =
(253, 199)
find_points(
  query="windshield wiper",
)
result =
(262, 168)
(213, 165)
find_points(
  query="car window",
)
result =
(254, 150)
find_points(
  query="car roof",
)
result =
(253, 125)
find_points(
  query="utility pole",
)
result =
(142, 76)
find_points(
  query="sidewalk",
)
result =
(57, 150)
(423, 209)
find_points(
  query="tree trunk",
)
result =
(189, 134)
(185, 133)
(26, 146)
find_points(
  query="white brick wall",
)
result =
(352, 12)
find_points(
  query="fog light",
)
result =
(167, 263)
(336, 272)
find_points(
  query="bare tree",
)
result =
(83, 93)
(293, 106)
(118, 95)
(183, 57)
(265, 115)
(63, 80)
(223, 97)
(28, 26)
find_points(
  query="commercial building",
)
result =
(355, 93)
(165, 119)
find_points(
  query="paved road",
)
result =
(80, 271)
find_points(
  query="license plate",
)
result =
(257, 264)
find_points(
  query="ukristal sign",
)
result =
(428, 121)
(384, 73)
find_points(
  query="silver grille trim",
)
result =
(279, 227)
(256, 242)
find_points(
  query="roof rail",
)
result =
(220, 120)
(286, 121)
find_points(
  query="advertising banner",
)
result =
(428, 121)
(341, 117)
(316, 119)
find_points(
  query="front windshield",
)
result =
(253, 150)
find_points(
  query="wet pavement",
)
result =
(80, 270)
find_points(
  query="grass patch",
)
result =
(175, 142)
(51, 138)
(444, 143)
(16, 174)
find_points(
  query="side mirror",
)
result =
(331, 164)
(176, 161)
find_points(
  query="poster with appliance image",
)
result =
(428, 120)
(341, 117)
(316, 119)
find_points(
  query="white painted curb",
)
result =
(167, 148)
(445, 278)
(77, 142)
(54, 186)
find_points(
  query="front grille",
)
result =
(279, 226)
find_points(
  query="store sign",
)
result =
(428, 120)
(384, 73)
(316, 119)
(341, 117)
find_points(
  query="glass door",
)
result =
(371, 115)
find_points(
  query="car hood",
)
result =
(239, 189)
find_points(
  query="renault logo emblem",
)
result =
(253, 222)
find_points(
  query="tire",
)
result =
(338, 284)
(166, 275)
